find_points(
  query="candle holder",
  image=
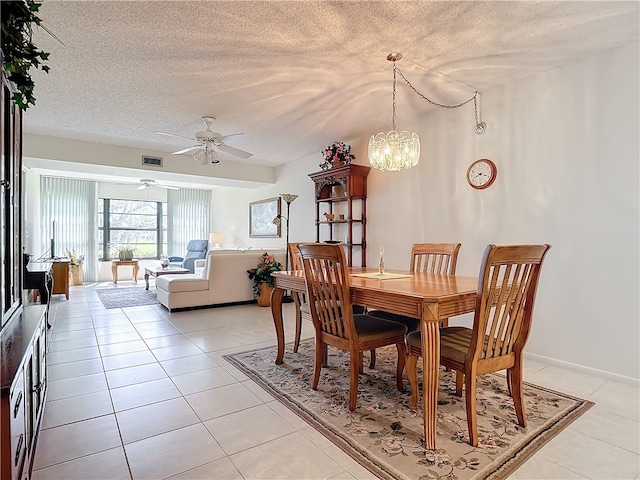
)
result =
(381, 261)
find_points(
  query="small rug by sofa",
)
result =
(126, 297)
(385, 436)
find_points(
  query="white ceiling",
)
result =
(292, 76)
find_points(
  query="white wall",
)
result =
(231, 207)
(566, 146)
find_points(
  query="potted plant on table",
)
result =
(75, 267)
(126, 253)
(263, 282)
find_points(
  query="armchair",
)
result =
(195, 249)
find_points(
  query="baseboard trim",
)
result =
(583, 369)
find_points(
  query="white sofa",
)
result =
(222, 279)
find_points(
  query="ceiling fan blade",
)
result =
(235, 151)
(168, 187)
(142, 187)
(185, 150)
(232, 135)
(174, 135)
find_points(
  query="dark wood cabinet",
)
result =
(23, 331)
(23, 388)
(10, 200)
(341, 208)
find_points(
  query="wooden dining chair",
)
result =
(329, 298)
(505, 298)
(299, 298)
(435, 258)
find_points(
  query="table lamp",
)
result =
(217, 238)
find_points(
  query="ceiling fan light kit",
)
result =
(208, 142)
(393, 151)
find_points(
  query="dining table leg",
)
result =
(430, 329)
(276, 312)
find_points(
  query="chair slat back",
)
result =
(506, 295)
(294, 254)
(328, 294)
(437, 258)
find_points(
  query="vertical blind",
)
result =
(72, 205)
(187, 218)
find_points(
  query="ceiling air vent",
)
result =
(152, 161)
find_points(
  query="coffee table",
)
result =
(159, 271)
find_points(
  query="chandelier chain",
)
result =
(394, 95)
(435, 104)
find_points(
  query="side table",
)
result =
(117, 263)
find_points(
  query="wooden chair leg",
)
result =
(353, 379)
(325, 355)
(402, 357)
(516, 392)
(296, 340)
(321, 349)
(372, 363)
(509, 380)
(472, 416)
(412, 373)
(459, 382)
(360, 362)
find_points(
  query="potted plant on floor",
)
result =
(263, 282)
(75, 267)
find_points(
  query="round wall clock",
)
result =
(482, 173)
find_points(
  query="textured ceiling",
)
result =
(293, 76)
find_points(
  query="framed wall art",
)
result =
(261, 215)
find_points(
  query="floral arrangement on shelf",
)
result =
(336, 155)
(262, 273)
(75, 260)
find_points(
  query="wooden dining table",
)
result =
(428, 297)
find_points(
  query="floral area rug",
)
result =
(385, 436)
(126, 297)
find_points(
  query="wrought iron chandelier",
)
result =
(393, 151)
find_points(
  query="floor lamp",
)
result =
(288, 198)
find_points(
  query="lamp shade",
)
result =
(216, 238)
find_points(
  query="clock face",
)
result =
(482, 173)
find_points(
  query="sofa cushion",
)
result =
(183, 283)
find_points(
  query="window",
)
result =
(133, 223)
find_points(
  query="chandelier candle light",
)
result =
(395, 151)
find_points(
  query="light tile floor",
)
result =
(141, 393)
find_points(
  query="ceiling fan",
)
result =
(208, 142)
(149, 182)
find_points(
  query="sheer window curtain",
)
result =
(72, 204)
(188, 214)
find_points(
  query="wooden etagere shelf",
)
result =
(341, 192)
